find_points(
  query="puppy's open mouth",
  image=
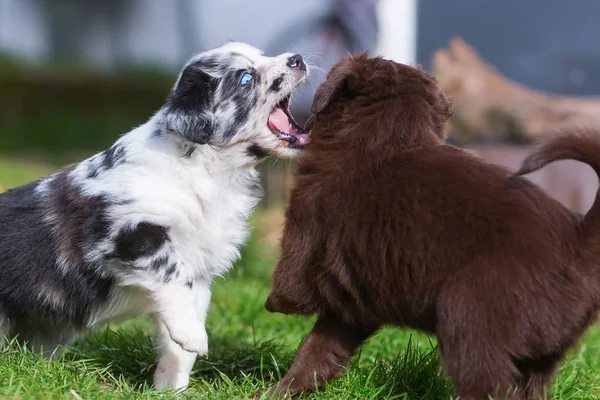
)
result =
(283, 125)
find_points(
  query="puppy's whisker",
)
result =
(318, 56)
(314, 66)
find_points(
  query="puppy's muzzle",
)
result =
(271, 305)
(276, 304)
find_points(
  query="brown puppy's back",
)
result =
(412, 228)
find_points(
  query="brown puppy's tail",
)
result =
(582, 146)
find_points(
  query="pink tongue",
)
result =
(279, 120)
(303, 138)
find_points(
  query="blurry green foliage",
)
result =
(65, 111)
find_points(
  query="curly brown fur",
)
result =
(388, 225)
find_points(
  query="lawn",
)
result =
(249, 348)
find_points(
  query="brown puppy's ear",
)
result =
(335, 81)
(327, 91)
(278, 304)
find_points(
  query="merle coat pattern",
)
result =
(388, 225)
(145, 226)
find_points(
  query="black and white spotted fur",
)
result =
(145, 226)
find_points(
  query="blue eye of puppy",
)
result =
(246, 79)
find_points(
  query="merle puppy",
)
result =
(387, 225)
(145, 226)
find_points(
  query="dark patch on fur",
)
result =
(157, 133)
(159, 263)
(142, 240)
(211, 63)
(96, 227)
(276, 85)
(189, 151)
(189, 104)
(170, 272)
(36, 294)
(114, 156)
(108, 159)
(94, 171)
(189, 284)
(244, 98)
(255, 150)
(424, 235)
(80, 220)
(244, 107)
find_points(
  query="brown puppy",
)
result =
(388, 225)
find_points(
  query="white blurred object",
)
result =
(398, 30)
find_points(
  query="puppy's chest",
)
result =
(215, 224)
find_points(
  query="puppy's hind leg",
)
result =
(477, 370)
(42, 336)
(473, 355)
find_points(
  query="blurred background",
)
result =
(76, 74)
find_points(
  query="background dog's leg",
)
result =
(323, 355)
(175, 364)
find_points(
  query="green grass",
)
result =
(250, 349)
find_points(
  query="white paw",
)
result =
(192, 338)
(167, 377)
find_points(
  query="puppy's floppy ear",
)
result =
(338, 79)
(189, 109)
(327, 91)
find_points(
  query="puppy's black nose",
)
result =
(296, 62)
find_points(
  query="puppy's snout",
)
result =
(276, 304)
(270, 304)
(296, 62)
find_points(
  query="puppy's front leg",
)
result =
(183, 311)
(182, 334)
(175, 364)
(181, 331)
(322, 356)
